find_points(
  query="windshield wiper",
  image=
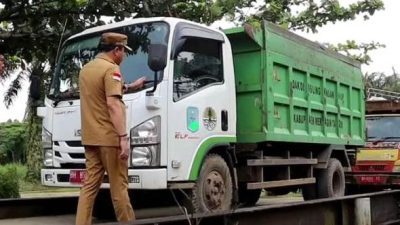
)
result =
(384, 139)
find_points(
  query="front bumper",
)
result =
(137, 178)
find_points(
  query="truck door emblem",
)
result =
(192, 119)
(209, 118)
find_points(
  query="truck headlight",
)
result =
(47, 144)
(48, 157)
(396, 169)
(144, 156)
(145, 143)
(46, 139)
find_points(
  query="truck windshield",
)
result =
(383, 128)
(77, 52)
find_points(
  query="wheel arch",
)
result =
(333, 151)
(215, 145)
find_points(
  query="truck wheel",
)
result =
(331, 181)
(213, 189)
(248, 197)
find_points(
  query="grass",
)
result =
(264, 194)
(30, 187)
(26, 186)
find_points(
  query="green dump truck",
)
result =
(225, 114)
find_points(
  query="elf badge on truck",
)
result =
(227, 113)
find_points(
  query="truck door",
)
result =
(200, 103)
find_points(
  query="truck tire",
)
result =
(248, 197)
(213, 189)
(331, 181)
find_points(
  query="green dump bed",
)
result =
(293, 90)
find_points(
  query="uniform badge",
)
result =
(117, 76)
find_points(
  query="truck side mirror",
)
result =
(157, 62)
(35, 87)
(157, 57)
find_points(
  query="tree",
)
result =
(309, 15)
(12, 142)
(356, 51)
(382, 81)
(31, 31)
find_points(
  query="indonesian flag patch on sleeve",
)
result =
(117, 76)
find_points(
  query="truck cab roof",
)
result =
(170, 20)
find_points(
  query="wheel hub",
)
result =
(214, 193)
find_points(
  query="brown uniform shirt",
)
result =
(98, 79)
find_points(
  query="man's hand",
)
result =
(123, 148)
(139, 83)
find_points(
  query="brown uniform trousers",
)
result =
(99, 160)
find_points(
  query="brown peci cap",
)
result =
(115, 39)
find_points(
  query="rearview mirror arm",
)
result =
(151, 92)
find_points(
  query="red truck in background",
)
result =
(376, 166)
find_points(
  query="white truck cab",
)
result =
(188, 106)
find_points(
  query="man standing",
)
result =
(104, 129)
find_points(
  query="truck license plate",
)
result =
(77, 176)
(371, 179)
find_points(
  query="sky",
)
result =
(379, 28)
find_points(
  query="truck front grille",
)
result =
(77, 155)
(372, 167)
(74, 143)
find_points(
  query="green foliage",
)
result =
(357, 51)
(309, 15)
(13, 138)
(11, 176)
